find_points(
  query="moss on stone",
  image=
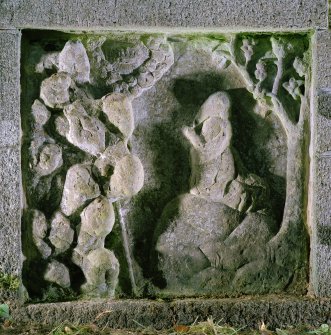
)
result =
(9, 282)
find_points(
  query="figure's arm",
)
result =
(192, 136)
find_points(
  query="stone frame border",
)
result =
(224, 15)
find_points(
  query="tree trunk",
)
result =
(288, 247)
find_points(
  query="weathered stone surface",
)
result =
(101, 270)
(178, 131)
(242, 312)
(10, 212)
(40, 113)
(85, 132)
(10, 159)
(323, 49)
(259, 14)
(9, 87)
(110, 157)
(126, 57)
(61, 234)
(49, 61)
(127, 179)
(99, 265)
(98, 218)
(54, 91)
(39, 233)
(207, 245)
(320, 183)
(78, 188)
(73, 60)
(50, 159)
(57, 273)
(321, 246)
(118, 109)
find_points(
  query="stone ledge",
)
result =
(240, 312)
(285, 14)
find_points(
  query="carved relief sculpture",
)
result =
(105, 172)
(108, 119)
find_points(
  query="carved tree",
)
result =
(296, 127)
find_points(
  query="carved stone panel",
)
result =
(164, 164)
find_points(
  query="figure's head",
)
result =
(217, 105)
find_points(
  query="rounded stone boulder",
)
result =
(40, 113)
(85, 132)
(118, 108)
(50, 159)
(127, 179)
(73, 60)
(79, 187)
(57, 273)
(98, 218)
(54, 91)
(61, 234)
(110, 157)
(101, 270)
(39, 233)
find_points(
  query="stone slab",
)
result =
(10, 215)
(263, 14)
(321, 170)
(9, 87)
(10, 163)
(132, 314)
(323, 64)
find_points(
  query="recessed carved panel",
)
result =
(164, 164)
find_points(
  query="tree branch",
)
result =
(279, 110)
(279, 75)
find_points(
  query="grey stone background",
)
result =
(266, 15)
(261, 14)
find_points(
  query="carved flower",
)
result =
(278, 47)
(247, 48)
(293, 87)
(260, 72)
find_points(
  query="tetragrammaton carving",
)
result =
(169, 165)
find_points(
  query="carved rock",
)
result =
(39, 233)
(189, 225)
(101, 270)
(57, 273)
(204, 245)
(110, 157)
(61, 234)
(85, 132)
(125, 57)
(62, 125)
(54, 91)
(99, 265)
(50, 159)
(217, 105)
(79, 187)
(127, 179)
(40, 113)
(73, 60)
(211, 179)
(50, 61)
(242, 246)
(118, 109)
(97, 221)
